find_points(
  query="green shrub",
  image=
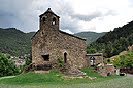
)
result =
(7, 68)
(60, 62)
(123, 60)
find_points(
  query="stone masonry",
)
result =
(50, 44)
(105, 69)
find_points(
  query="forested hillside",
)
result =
(114, 42)
(90, 36)
(15, 42)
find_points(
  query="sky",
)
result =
(75, 15)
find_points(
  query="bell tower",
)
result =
(49, 21)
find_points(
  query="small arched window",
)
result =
(65, 57)
(54, 21)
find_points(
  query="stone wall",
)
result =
(105, 69)
(55, 44)
(51, 43)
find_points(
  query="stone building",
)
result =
(49, 45)
(103, 69)
(95, 59)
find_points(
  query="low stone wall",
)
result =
(105, 69)
(44, 67)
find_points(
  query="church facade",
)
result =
(50, 45)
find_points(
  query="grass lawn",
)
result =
(54, 79)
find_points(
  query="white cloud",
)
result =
(75, 15)
(115, 13)
(68, 31)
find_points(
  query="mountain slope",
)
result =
(117, 33)
(15, 42)
(114, 42)
(90, 36)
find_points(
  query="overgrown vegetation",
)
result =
(113, 42)
(60, 62)
(125, 59)
(7, 68)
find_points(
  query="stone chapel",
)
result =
(49, 44)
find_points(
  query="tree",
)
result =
(7, 68)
